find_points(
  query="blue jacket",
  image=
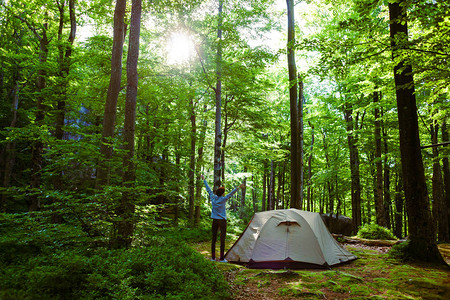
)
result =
(218, 203)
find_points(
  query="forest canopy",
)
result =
(111, 110)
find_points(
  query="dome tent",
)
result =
(287, 238)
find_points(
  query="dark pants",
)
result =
(216, 225)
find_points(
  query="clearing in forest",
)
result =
(374, 275)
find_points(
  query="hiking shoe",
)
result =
(212, 259)
(223, 261)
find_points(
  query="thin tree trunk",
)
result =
(331, 193)
(439, 204)
(242, 209)
(65, 55)
(38, 145)
(301, 100)
(279, 185)
(263, 208)
(422, 233)
(270, 201)
(191, 173)
(224, 144)
(327, 205)
(379, 205)
(338, 199)
(218, 93)
(387, 180)
(283, 185)
(109, 117)
(354, 167)
(199, 184)
(254, 196)
(398, 232)
(293, 93)
(126, 207)
(446, 172)
(309, 196)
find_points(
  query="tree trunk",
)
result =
(199, 183)
(126, 207)
(254, 196)
(387, 180)
(65, 54)
(295, 154)
(38, 146)
(446, 172)
(379, 205)
(398, 232)
(109, 117)
(301, 100)
(191, 173)
(354, 167)
(263, 207)
(270, 194)
(308, 193)
(422, 234)
(439, 204)
(224, 144)
(279, 185)
(242, 209)
(218, 93)
(327, 205)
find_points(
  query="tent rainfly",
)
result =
(287, 239)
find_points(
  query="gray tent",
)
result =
(287, 238)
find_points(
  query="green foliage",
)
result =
(376, 232)
(412, 251)
(400, 251)
(59, 262)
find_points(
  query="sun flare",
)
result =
(180, 48)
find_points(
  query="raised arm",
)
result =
(242, 186)
(208, 189)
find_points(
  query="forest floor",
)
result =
(373, 275)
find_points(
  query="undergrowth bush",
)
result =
(376, 232)
(401, 251)
(49, 262)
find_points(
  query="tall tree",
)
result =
(387, 178)
(379, 205)
(218, 95)
(109, 116)
(309, 192)
(65, 56)
(301, 102)
(438, 191)
(125, 208)
(40, 32)
(422, 233)
(352, 140)
(446, 169)
(191, 172)
(293, 98)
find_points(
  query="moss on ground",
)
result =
(374, 275)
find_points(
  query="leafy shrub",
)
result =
(401, 251)
(374, 231)
(47, 266)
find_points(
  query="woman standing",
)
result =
(219, 216)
